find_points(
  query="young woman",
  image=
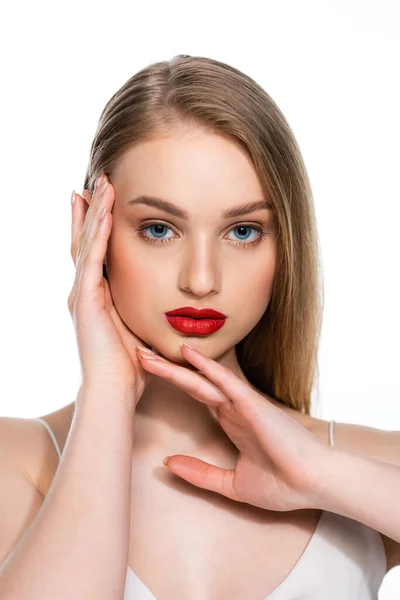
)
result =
(200, 230)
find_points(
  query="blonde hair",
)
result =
(279, 356)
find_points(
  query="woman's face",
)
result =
(205, 260)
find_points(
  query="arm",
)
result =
(361, 488)
(77, 546)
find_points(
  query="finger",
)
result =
(89, 226)
(92, 265)
(229, 384)
(79, 210)
(89, 231)
(82, 218)
(89, 274)
(195, 384)
(203, 475)
(80, 248)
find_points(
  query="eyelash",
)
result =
(245, 245)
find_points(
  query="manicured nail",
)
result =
(189, 346)
(148, 356)
(73, 197)
(165, 461)
(144, 349)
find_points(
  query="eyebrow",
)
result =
(172, 209)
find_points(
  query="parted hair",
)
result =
(280, 355)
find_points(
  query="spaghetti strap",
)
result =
(53, 437)
(331, 435)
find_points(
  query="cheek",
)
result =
(138, 281)
(254, 280)
(250, 289)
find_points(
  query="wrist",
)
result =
(331, 483)
(103, 396)
(320, 483)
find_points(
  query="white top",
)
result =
(344, 559)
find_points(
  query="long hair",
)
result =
(279, 356)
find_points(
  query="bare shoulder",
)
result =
(376, 443)
(20, 500)
(27, 446)
(21, 445)
(28, 462)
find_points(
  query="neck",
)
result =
(169, 419)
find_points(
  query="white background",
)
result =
(332, 68)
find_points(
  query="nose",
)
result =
(200, 273)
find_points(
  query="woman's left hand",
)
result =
(280, 464)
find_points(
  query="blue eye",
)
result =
(158, 226)
(241, 233)
(159, 239)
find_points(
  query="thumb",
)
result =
(203, 475)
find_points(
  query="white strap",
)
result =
(53, 437)
(331, 436)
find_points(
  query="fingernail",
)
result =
(165, 461)
(98, 182)
(148, 356)
(73, 197)
(188, 345)
(144, 349)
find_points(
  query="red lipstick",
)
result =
(195, 321)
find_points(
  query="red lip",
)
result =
(192, 326)
(196, 313)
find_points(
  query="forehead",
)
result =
(189, 165)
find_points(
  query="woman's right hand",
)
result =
(107, 348)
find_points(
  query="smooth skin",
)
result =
(202, 264)
(175, 262)
(106, 346)
(279, 462)
(199, 264)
